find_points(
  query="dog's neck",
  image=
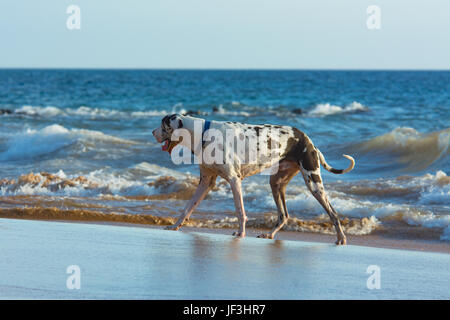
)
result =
(195, 126)
(190, 123)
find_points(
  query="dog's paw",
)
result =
(341, 241)
(172, 227)
(239, 234)
(265, 236)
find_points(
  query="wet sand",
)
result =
(129, 262)
(379, 239)
(403, 237)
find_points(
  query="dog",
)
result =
(295, 153)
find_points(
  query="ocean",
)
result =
(78, 144)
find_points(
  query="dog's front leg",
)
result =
(205, 185)
(236, 187)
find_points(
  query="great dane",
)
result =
(295, 153)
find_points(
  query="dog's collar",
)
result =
(205, 128)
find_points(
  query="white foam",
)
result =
(49, 111)
(435, 195)
(99, 183)
(156, 171)
(371, 224)
(325, 109)
(304, 204)
(93, 113)
(152, 113)
(221, 110)
(431, 190)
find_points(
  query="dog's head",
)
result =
(163, 134)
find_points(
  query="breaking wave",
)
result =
(32, 143)
(233, 108)
(413, 150)
(372, 203)
(89, 112)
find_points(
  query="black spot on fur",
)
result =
(295, 151)
(269, 143)
(316, 178)
(309, 160)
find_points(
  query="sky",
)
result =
(225, 34)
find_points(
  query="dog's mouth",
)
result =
(168, 145)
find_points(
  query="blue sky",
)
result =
(267, 34)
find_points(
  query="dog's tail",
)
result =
(333, 170)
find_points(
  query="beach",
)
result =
(125, 262)
(77, 154)
(80, 142)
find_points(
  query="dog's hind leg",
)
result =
(278, 182)
(206, 183)
(314, 183)
(236, 188)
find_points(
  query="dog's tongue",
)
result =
(165, 146)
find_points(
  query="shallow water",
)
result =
(91, 131)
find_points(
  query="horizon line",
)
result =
(219, 69)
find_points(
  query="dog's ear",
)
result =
(165, 121)
(176, 121)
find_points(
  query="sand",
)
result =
(129, 262)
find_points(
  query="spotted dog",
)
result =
(295, 153)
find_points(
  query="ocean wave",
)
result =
(364, 196)
(104, 113)
(356, 200)
(92, 113)
(415, 201)
(233, 108)
(94, 184)
(425, 189)
(414, 150)
(139, 182)
(326, 109)
(221, 110)
(33, 143)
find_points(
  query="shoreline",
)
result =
(378, 239)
